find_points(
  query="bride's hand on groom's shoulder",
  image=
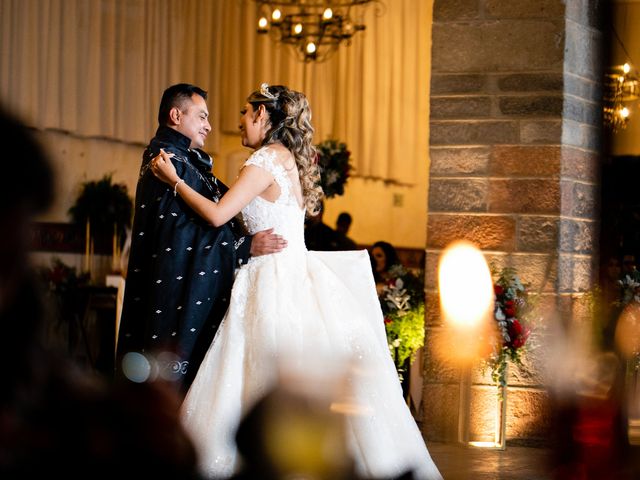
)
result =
(162, 167)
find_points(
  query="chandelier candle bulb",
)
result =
(263, 25)
(276, 16)
(310, 53)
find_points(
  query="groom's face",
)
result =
(192, 120)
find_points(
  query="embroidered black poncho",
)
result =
(180, 269)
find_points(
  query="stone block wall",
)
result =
(514, 140)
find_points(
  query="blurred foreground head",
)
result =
(27, 190)
(59, 420)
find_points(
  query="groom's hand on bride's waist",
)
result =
(266, 242)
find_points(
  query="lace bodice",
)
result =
(283, 215)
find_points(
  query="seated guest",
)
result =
(383, 257)
(318, 235)
(343, 242)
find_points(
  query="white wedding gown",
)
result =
(299, 306)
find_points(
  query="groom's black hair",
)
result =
(174, 96)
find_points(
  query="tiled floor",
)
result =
(457, 462)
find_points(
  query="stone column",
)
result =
(515, 135)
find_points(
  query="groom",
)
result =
(180, 268)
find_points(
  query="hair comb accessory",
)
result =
(264, 91)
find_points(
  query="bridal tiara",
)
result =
(264, 91)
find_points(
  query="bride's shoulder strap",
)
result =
(264, 158)
(269, 159)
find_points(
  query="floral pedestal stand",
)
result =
(482, 413)
(464, 406)
(500, 432)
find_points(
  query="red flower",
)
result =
(515, 328)
(498, 289)
(517, 333)
(509, 308)
(387, 320)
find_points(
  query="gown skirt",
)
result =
(305, 311)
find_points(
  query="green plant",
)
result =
(402, 302)
(105, 204)
(335, 167)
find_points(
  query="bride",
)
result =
(294, 307)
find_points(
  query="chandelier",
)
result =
(621, 86)
(314, 28)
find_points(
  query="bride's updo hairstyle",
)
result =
(290, 124)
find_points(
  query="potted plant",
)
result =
(105, 209)
(402, 302)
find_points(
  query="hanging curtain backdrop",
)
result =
(97, 68)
